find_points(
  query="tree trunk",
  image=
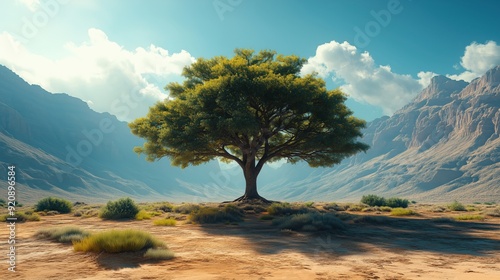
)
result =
(251, 172)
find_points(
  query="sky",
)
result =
(118, 55)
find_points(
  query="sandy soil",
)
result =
(405, 248)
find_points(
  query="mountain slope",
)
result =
(444, 145)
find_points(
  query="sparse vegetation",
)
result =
(123, 208)
(186, 208)
(402, 212)
(54, 204)
(456, 206)
(117, 241)
(443, 220)
(309, 222)
(334, 206)
(493, 212)
(467, 217)
(165, 222)
(159, 254)
(64, 234)
(285, 208)
(22, 216)
(211, 215)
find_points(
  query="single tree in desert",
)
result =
(252, 108)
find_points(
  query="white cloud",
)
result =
(477, 59)
(364, 80)
(101, 72)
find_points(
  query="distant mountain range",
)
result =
(442, 146)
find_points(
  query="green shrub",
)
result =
(402, 212)
(285, 208)
(54, 204)
(165, 222)
(117, 241)
(469, 217)
(373, 200)
(456, 206)
(64, 234)
(395, 202)
(355, 207)
(186, 208)
(142, 215)
(159, 254)
(309, 204)
(211, 215)
(309, 222)
(21, 217)
(123, 208)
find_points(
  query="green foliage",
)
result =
(22, 216)
(117, 241)
(373, 200)
(402, 212)
(456, 206)
(159, 254)
(469, 217)
(54, 204)
(393, 202)
(63, 235)
(212, 215)
(309, 204)
(251, 106)
(186, 208)
(309, 222)
(123, 208)
(285, 208)
(165, 222)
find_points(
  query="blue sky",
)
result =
(118, 55)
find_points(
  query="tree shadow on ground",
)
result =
(123, 260)
(363, 234)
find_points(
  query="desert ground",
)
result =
(430, 245)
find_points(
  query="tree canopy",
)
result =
(252, 108)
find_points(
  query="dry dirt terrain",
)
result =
(416, 247)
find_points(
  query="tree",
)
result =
(251, 109)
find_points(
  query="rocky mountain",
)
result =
(442, 146)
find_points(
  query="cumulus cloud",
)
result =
(365, 81)
(101, 72)
(477, 59)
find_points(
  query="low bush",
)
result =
(142, 215)
(393, 202)
(469, 217)
(285, 208)
(396, 202)
(309, 222)
(402, 212)
(385, 209)
(333, 206)
(212, 215)
(373, 200)
(64, 234)
(54, 204)
(117, 241)
(165, 222)
(456, 206)
(159, 254)
(355, 207)
(186, 208)
(21, 217)
(123, 208)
